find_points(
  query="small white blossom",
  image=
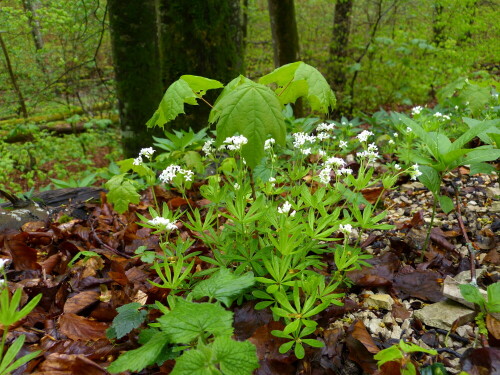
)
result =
(456, 108)
(171, 172)
(323, 135)
(236, 186)
(495, 95)
(341, 171)
(147, 152)
(397, 167)
(137, 161)
(287, 206)
(416, 110)
(391, 142)
(162, 223)
(370, 155)
(301, 138)
(415, 172)
(325, 127)
(3, 262)
(207, 146)
(363, 136)
(395, 135)
(343, 144)
(346, 229)
(324, 175)
(321, 153)
(306, 151)
(336, 162)
(268, 144)
(372, 147)
(292, 214)
(408, 129)
(234, 143)
(272, 180)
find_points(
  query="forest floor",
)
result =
(381, 306)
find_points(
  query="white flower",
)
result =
(391, 142)
(495, 95)
(268, 144)
(147, 152)
(325, 127)
(306, 151)
(292, 214)
(456, 108)
(370, 155)
(323, 135)
(207, 146)
(321, 153)
(408, 129)
(346, 229)
(272, 179)
(162, 223)
(2, 281)
(342, 171)
(372, 147)
(3, 262)
(363, 136)
(343, 144)
(171, 172)
(395, 135)
(302, 138)
(234, 143)
(336, 162)
(324, 175)
(236, 186)
(137, 161)
(397, 167)
(287, 206)
(437, 114)
(415, 172)
(416, 110)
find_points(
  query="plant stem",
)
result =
(426, 243)
(4, 337)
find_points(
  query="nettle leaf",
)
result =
(186, 89)
(235, 357)
(121, 193)
(430, 178)
(299, 79)
(129, 317)
(195, 362)
(223, 286)
(254, 111)
(146, 355)
(189, 320)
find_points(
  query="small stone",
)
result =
(396, 332)
(388, 319)
(444, 313)
(495, 206)
(472, 203)
(406, 325)
(374, 325)
(379, 301)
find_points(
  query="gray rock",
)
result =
(444, 313)
(451, 287)
(379, 301)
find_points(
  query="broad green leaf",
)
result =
(443, 143)
(138, 359)
(189, 321)
(235, 357)
(430, 178)
(197, 361)
(409, 347)
(121, 193)
(129, 317)
(392, 353)
(485, 168)
(301, 80)
(481, 155)
(476, 96)
(434, 369)
(487, 136)
(471, 293)
(229, 87)
(446, 203)
(493, 304)
(183, 91)
(254, 111)
(299, 350)
(449, 90)
(427, 138)
(451, 158)
(223, 286)
(474, 131)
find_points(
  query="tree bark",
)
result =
(30, 9)
(200, 37)
(284, 31)
(137, 67)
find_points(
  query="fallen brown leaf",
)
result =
(81, 301)
(79, 328)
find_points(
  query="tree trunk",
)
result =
(137, 67)
(30, 9)
(284, 31)
(200, 37)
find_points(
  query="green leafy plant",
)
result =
(490, 305)
(401, 353)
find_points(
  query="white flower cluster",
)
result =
(414, 172)
(147, 152)
(343, 144)
(324, 175)
(285, 209)
(441, 116)
(208, 147)
(322, 136)
(268, 144)
(300, 139)
(346, 229)
(363, 136)
(234, 143)
(341, 171)
(371, 153)
(416, 110)
(171, 172)
(336, 162)
(324, 127)
(162, 223)
(408, 129)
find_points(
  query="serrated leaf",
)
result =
(129, 317)
(430, 178)
(189, 320)
(446, 203)
(254, 111)
(196, 362)
(299, 79)
(183, 91)
(235, 357)
(229, 87)
(138, 359)
(121, 193)
(223, 286)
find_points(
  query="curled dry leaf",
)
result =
(493, 326)
(23, 256)
(81, 301)
(79, 328)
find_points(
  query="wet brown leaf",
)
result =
(247, 320)
(380, 274)
(23, 256)
(438, 237)
(481, 361)
(79, 328)
(69, 364)
(422, 284)
(361, 334)
(81, 301)
(373, 194)
(359, 353)
(493, 326)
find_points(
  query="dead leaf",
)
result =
(69, 364)
(481, 361)
(23, 256)
(247, 320)
(380, 274)
(361, 334)
(177, 202)
(373, 194)
(493, 326)
(79, 328)
(81, 301)
(359, 353)
(422, 284)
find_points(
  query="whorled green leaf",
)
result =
(223, 286)
(6, 367)
(299, 79)
(254, 111)
(189, 320)
(186, 90)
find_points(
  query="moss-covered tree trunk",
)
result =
(284, 31)
(137, 67)
(200, 37)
